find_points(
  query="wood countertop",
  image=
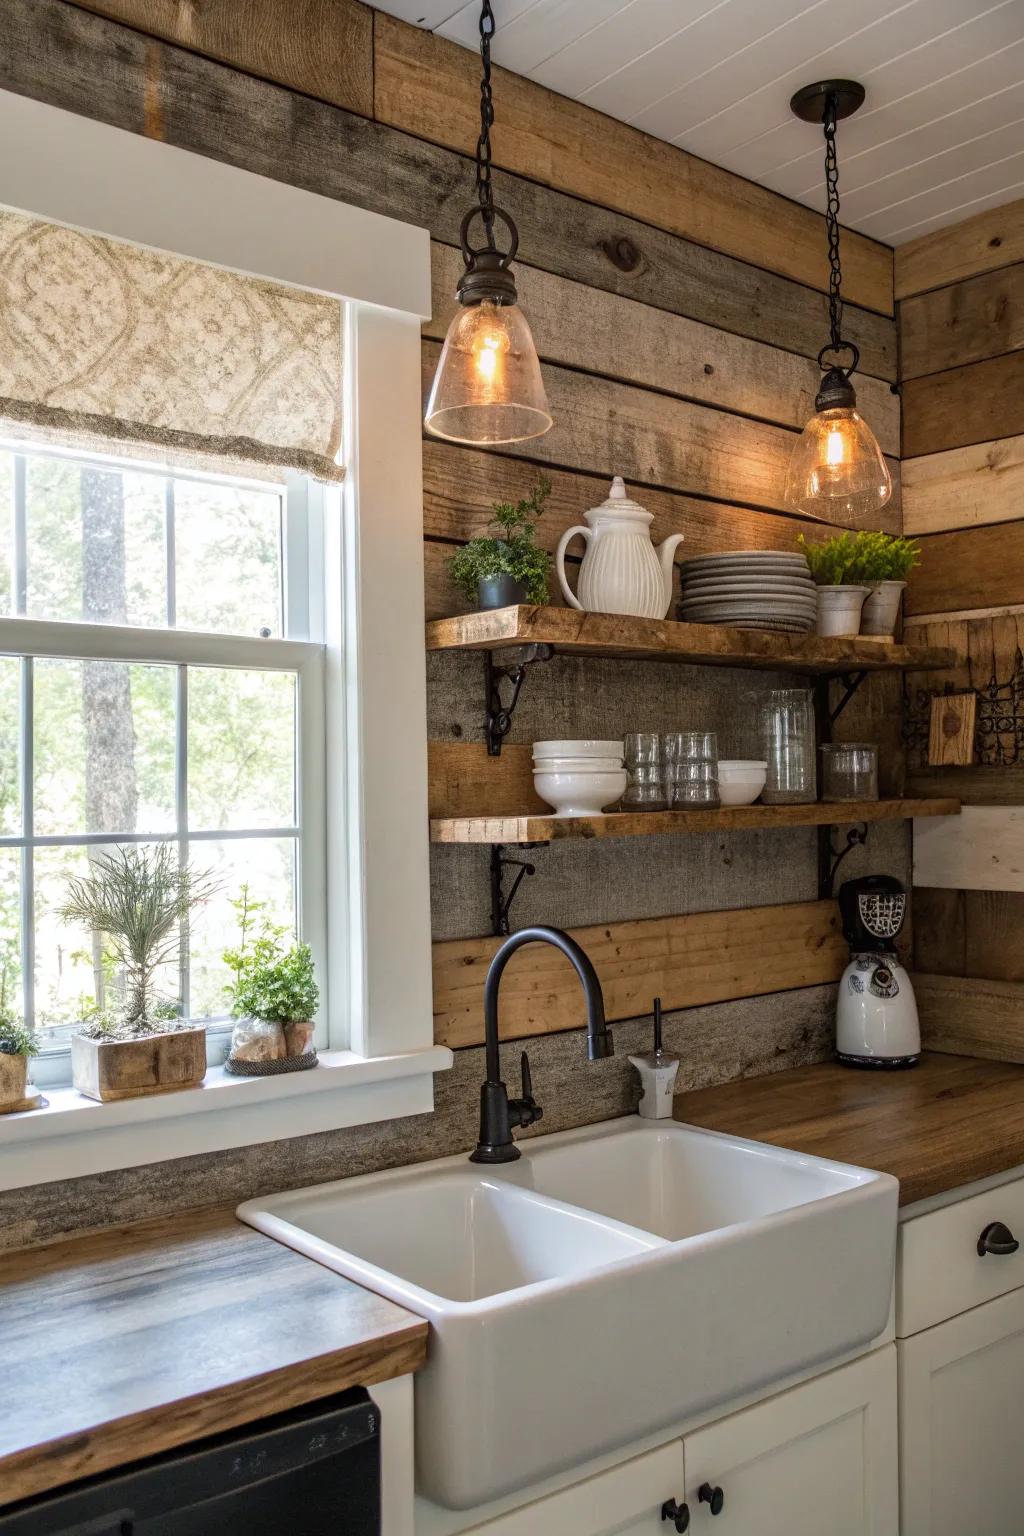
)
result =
(948, 1121)
(144, 1337)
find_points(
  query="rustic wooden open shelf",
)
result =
(744, 818)
(607, 634)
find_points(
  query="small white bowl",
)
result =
(586, 748)
(577, 764)
(740, 782)
(580, 794)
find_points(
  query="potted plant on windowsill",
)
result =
(509, 566)
(274, 996)
(841, 593)
(136, 900)
(17, 1046)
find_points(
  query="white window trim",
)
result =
(72, 170)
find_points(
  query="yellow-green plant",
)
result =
(851, 559)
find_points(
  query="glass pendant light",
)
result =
(837, 472)
(487, 388)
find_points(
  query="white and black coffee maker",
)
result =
(876, 1017)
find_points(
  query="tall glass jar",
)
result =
(787, 723)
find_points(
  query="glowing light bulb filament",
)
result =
(488, 349)
(835, 447)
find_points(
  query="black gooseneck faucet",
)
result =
(499, 1114)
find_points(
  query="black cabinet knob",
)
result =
(679, 1514)
(713, 1496)
(997, 1238)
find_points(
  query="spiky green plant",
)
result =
(137, 899)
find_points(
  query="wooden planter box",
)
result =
(13, 1082)
(124, 1069)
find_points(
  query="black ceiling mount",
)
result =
(810, 101)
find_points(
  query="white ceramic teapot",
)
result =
(622, 572)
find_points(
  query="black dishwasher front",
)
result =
(314, 1471)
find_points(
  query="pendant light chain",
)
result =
(835, 276)
(483, 143)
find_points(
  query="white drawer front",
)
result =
(939, 1272)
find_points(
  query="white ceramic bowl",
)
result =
(577, 764)
(580, 794)
(740, 781)
(588, 748)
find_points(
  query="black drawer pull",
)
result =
(713, 1496)
(679, 1514)
(997, 1238)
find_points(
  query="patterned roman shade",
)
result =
(134, 348)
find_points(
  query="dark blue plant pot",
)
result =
(502, 591)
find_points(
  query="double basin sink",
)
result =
(613, 1282)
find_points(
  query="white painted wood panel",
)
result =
(939, 1272)
(715, 77)
(961, 1396)
(982, 849)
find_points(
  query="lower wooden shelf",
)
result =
(744, 818)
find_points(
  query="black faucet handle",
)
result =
(526, 1110)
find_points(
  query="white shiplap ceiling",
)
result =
(940, 137)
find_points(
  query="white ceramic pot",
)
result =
(580, 794)
(839, 609)
(622, 572)
(881, 608)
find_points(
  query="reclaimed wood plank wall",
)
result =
(678, 308)
(961, 319)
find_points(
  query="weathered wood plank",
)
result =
(748, 818)
(990, 239)
(940, 940)
(965, 405)
(705, 957)
(429, 86)
(982, 849)
(965, 487)
(979, 567)
(465, 781)
(653, 439)
(609, 634)
(994, 935)
(608, 334)
(966, 323)
(92, 66)
(321, 47)
(951, 733)
(963, 1016)
(979, 784)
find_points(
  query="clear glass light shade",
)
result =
(837, 471)
(488, 388)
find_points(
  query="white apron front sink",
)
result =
(615, 1281)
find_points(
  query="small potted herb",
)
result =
(883, 563)
(508, 566)
(841, 593)
(17, 1045)
(274, 995)
(136, 901)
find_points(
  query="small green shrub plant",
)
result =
(512, 550)
(859, 559)
(15, 1039)
(272, 980)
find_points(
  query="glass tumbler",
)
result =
(849, 771)
(787, 721)
(645, 786)
(691, 769)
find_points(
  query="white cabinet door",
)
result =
(818, 1459)
(624, 1501)
(961, 1412)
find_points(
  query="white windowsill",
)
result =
(74, 1136)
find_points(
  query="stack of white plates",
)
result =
(578, 778)
(752, 589)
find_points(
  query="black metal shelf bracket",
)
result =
(498, 721)
(501, 900)
(851, 682)
(830, 857)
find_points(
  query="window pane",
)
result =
(241, 748)
(10, 714)
(227, 558)
(267, 865)
(10, 928)
(95, 543)
(6, 531)
(104, 747)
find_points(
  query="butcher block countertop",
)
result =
(947, 1121)
(144, 1337)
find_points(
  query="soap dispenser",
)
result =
(657, 1076)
